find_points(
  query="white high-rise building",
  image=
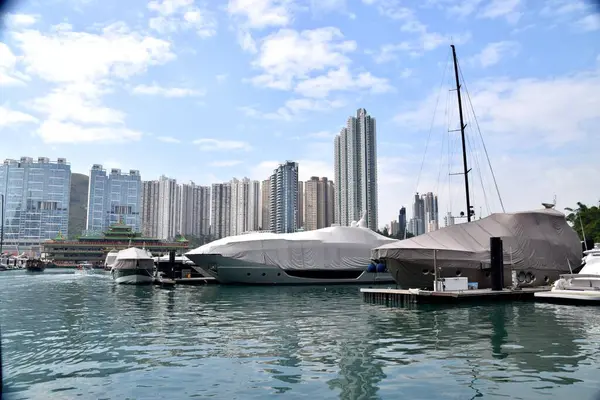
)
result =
(168, 208)
(114, 198)
(265, 205)
(355, 168)
(318, 203)
(220, 215)
(194, 211)
(245, 203)
(254, 197)
(150, 206)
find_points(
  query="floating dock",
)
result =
(399, 297)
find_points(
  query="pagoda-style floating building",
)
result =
(94, 247)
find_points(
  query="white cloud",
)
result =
(157, 90)
(259, 14)
(502, 9)
(168, 139)
(464, 8)
(289, 55)
(78, 103)
(64, 56)
(9, 76)
(206, 144)
(526, 112)
(221, 78)
(52, 131)
(246, 41)
(293, 109)
(16, 21)
(494, 52)
(179, 15)
(589, 23)
(225, 163)
(12, 117)
(342, 80)
(424, 42)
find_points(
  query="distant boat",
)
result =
(133, 266)
(35, 265)
(85, 267)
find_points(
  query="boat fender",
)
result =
(371, 268)
(381, 267)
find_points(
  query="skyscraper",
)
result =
(36, 200)
(150, 205)
(283, 202)
(194, 212)
(220, 215)
(355, 168)
(114, 198)
(169, 205)
(245, 201)
(318, 203)
(425, 214)
(265, 224)
(402, 222)
(300, 197)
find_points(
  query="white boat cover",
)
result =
(539, 239)
(133, 258)
(339, 247)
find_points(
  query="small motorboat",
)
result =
(85, 268)
(580, 287)
(35, 265)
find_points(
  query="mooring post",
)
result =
(497, 263)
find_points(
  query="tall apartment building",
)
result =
(220, 220)
(300, 197)
(36, 201)
(150, 206)
(169, 207)
(355, 168)
(254, 197)
(402, 222)
(425, 214)
(194, 210)
(265, 204)
(245, 203)
(114, 198)
(283, 198)
(318, 203)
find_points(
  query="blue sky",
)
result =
(207, 91)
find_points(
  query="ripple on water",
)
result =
(73, 335)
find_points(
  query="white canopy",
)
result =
(133, 253)
(340, 247)
(534, 239)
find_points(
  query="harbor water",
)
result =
(67, 336)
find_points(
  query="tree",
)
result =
(385, 231)
(589, 217)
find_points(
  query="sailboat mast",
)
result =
(462, 134)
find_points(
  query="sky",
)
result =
(205, 91)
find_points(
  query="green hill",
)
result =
(78, 204)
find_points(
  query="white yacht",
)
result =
(110, 259)
(582, 287)
(334, 255)
(85, 268)
(133, 266)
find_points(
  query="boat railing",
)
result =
(586, 276)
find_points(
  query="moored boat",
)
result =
(581, 287)
(334, 255)
(35, 265)
(133, 266)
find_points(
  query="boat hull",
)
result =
(415, 275)
(570, 296)
(136, 276)
(232, 272)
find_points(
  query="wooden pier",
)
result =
(399, 297)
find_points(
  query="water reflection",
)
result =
(83, 335)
